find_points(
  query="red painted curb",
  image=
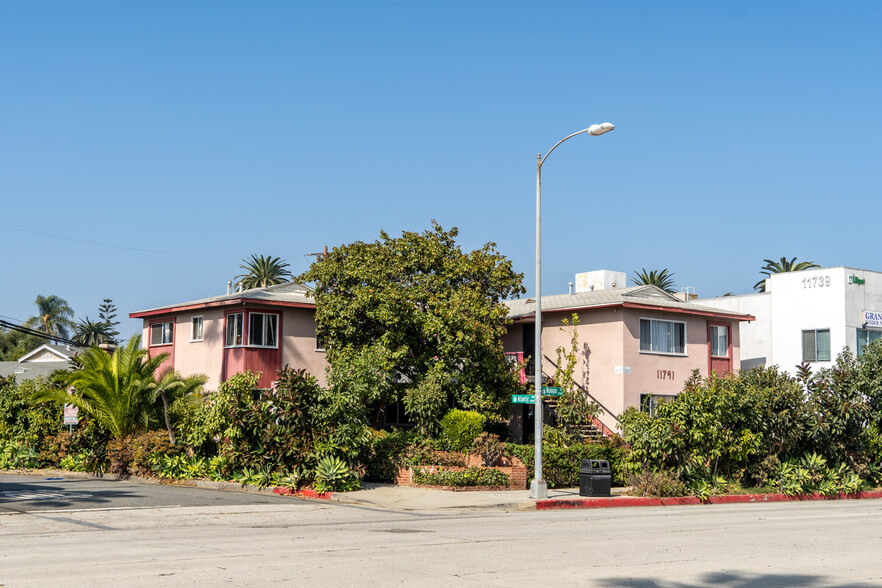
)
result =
(303, 493)
(618, 501)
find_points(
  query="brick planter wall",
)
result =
(517, 475)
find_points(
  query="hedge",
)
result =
(560, 465)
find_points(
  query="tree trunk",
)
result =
(171, 432)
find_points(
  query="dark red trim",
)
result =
(710, 358)
(233, 302)
(690, 311)
(722, 315)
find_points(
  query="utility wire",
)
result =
(32, 231)
(41, 335)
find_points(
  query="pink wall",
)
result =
(299, 343)
(599, 349)
(611, 365)
(207, 356)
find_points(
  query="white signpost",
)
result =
(71, 413)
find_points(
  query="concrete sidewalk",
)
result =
(414, 498)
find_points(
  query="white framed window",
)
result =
(196, 326)
(162, 333)
(816, 345)
(719, 341)
(865, 337)
(263, 329)
(649, 402)
(234, 330)
(657, 336)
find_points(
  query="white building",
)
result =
(808, 316)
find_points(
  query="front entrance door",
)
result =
(719, 348)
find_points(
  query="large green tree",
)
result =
(418, 311)
(54, 317)
(661, 278)
(781, 266)
(262, 271)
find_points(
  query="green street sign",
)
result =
(531, 398)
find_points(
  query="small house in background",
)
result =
(42, 361)
(261, 330)
(636, 345)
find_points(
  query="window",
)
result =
(262, 329)
(816, 345)
(162, 333)
(234, 329)
(649, 402)
(719, 341)
(196, 323)
(662, 337)
(865, 337)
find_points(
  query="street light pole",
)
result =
(538, 487)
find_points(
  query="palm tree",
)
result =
(89, 333)
(263, 271)
(780, 267)
(120, 391)
(170, 387)
(660, 278)
(54, 317)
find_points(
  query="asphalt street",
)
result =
(285, 542)
(33, 494)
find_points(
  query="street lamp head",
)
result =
(600, 129)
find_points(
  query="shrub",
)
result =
(384, 453)
(333, 475)
(200, 421)
(131, 455)
(179, 467)
(460, 427)
(489, 448)
(659, 484)
(418, 455)
(15, 456)
(461, 478)
(560, 465)
(23, 419)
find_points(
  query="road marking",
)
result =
(25, 495)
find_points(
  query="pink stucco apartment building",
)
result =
(261, 330)
(636, 345)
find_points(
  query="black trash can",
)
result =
(595, 478)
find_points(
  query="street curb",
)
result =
(623, 501)
(303, 493)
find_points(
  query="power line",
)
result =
(33, 333)
(32, 231)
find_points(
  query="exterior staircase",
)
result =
(587, 431)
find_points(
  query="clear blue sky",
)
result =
(147, 148)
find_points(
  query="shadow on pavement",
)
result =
(735, 580)
(60, 494)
